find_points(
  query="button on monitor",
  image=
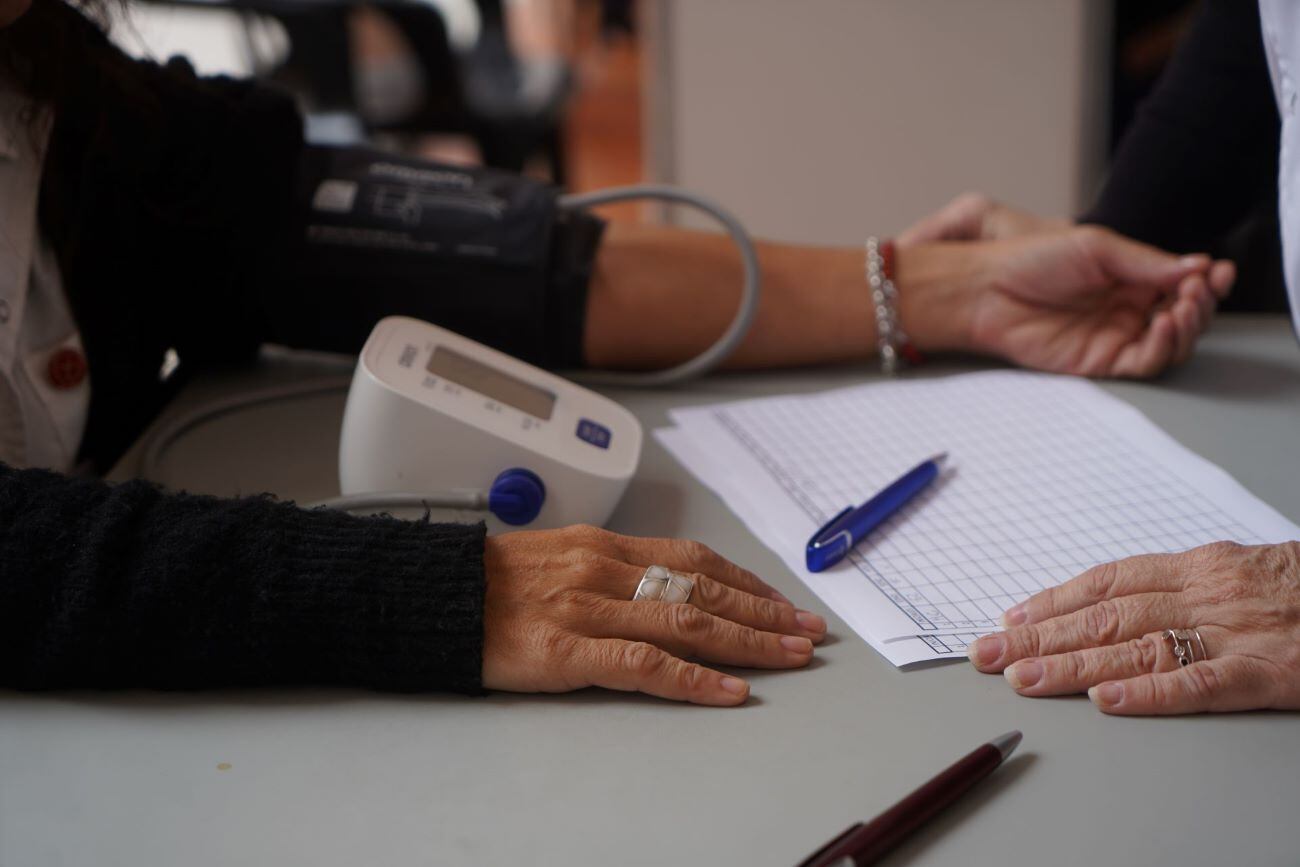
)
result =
(596, 434)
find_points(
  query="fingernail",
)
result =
(1106, 694)
(795, 644)
(1023, 674)
(987, 649)
(810, 621)
(1016, 615)
(734, 685)
(1193, 261)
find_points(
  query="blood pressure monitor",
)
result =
(432, 411)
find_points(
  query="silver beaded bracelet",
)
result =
(890, 338)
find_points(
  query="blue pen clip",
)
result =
(829, 544)
(833, 541)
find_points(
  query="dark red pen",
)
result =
(865, 843)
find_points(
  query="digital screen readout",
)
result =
(490, 382)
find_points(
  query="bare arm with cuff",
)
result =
(1070, 300)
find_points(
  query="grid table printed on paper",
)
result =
(1013, 515)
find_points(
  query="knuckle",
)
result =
(590, 568)
(1026, 642)
(581, 555)
(692, 678)
(1215, 556)
(767, 612)
(1099, 581)
(1224, 588)
(555, 644)
(709, 592)
(590, 537)
(754, 641)
(695, 552)
(640, 658)
(1201, 681)
(1150, 691)
(1100, 622)
(1073, 667)
(591, 610)
(582, 532)
(685, 619)
(566, 602)
(1143, 653)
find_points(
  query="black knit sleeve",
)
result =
(130, 586)
(1203, 147)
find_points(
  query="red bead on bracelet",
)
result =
(889, 257)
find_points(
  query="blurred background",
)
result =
(818, 121)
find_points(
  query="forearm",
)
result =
(129, 586)
(660, 295)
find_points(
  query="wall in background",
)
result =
(826, 120)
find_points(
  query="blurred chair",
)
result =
(512, 108)
(518, 103)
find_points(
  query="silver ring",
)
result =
(1181, 644)
(1197, 633)
(661, 584)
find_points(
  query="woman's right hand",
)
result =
(559, 616)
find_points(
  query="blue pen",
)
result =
(834, 540)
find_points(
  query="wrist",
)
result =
(938, 287)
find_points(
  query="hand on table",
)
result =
(559, 616)
(1087, 301)
(976, 217)
(1102, 632)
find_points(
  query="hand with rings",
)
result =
(1216, 628)
(578, 607)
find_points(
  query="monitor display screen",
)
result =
(488, 381)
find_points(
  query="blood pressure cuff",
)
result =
(484, 253)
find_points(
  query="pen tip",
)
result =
(1007, 743)
(939, 458)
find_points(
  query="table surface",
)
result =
(341, 777)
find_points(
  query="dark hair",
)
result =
(54, 44)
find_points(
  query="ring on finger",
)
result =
(661, 584)
(1184, 644)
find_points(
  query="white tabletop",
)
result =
(342, 777)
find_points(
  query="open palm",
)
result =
(1089, 302)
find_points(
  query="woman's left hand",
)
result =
(1090, 302)
(1103, 632)
(1080, 300)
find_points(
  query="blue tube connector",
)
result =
(516, 496)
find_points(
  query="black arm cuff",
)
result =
(484, 253)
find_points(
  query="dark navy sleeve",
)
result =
(1203, 148)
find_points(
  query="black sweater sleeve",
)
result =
(1203, 147)
(182, 210)
(129, 586)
